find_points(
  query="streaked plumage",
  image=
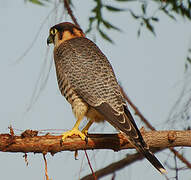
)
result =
(86, 79)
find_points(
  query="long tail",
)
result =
(143, 148)
(126, 124)
(151, 158)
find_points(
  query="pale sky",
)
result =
(149, 68)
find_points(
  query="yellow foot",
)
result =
(74, 131)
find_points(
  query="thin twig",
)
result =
(81, 166)
(113, 176)
(176, 167)
(26, 51)
(117, 165)
(181, 157)
(95, 178)
(67, 6)
(46, 168)
(26, 160)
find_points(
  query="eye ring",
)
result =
(53, 31)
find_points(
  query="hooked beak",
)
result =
(50, 40)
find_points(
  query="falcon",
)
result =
(87, 81)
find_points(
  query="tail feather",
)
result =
(152, 159)
(126, 124)
(142, 147)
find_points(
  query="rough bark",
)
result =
(29, 141)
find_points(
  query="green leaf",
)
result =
(105, 36)
(188, 59)
(189, 4)
(36, 2)
(95, 9)
(168, 14)
(91, 20)
(110, 26)
(143, 7)
(186, 67)
(139, 32)
(155, 19)
(149, 26)
(114, 9)
(133, 15)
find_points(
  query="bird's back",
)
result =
(89, 72)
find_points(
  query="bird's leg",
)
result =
(74, 131)
(85, 129)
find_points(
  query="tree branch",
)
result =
(49, 143)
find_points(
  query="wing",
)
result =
(88, 72)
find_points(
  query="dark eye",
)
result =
(53, 31)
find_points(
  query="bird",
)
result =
(87, 80)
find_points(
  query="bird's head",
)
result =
(63, 32)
